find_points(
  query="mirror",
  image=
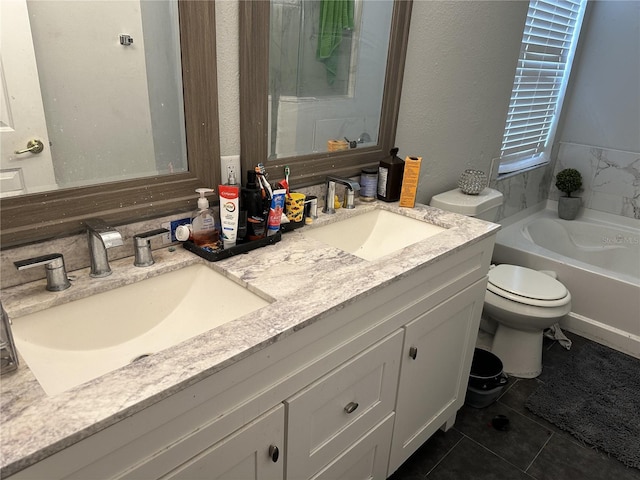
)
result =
(109, 104)
(326, 75)
(293, 104)
(38, 216)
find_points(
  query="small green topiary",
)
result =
(568, 180)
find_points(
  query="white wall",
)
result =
(457, 82)
(603, 104)
(228, 65)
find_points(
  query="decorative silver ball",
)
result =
(472, 182)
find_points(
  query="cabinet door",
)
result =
(246, 454)
(331, 414)
(436, 359)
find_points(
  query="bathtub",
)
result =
(597, 257)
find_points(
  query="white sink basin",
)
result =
(70, 344)
(374, 234)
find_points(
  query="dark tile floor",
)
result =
(531, 449)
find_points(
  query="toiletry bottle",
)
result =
(390, 173)
(242, 215)
(203, 223)
(255, 206)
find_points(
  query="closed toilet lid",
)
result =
(525, 282)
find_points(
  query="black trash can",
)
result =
(486, 380)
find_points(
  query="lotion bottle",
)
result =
(203, 224)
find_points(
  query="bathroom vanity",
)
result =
(351, 366)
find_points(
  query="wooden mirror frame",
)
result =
(254, 89)
(36, 217)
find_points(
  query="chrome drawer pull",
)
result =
(351, 407)
(413, 352)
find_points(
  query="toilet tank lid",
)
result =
(526, 282)
(470, 205)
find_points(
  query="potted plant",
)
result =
(568, 181)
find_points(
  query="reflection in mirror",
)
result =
(291, 107)
(34, 217)
(327, 63)
(112, 107)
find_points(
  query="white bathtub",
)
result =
(596, 256)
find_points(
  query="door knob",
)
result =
(33, 146)
(274, 453)
(351, 407)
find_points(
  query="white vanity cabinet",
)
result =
(252, 453)
(436, 359)
(330, 415)
(368, 382)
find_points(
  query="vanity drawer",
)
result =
(366, 459)
(331, 414)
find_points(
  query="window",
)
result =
(546, 54)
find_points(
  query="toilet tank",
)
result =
(483, 206)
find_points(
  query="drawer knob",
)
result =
(413, 352)
(351, 407)
(274, 453)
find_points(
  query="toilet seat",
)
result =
(527, 286)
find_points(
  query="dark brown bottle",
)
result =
(390, 173)
(257, 208)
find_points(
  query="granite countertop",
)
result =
(35, 425)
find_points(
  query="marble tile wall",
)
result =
(611, 181)
(523, 190)
(610, 178)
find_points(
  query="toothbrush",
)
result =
(259, 179)
(264, 185)
(262, 174)
(287, 171)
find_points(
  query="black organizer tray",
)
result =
(229, 252)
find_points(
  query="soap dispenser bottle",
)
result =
(203, 224)
(390, 173)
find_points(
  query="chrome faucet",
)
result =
(57, 279)
(101, 237)
(330, 192)
(8, 354)
(142, 247)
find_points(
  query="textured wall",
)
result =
(603, 105)
(227, 45)
(460, 66)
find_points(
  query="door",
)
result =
(21, 110)
(255, 452)
(436, 360)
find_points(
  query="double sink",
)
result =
(73, 343)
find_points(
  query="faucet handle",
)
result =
(8, 353)
(57, 279)
(142, 247)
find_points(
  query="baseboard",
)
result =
(604, 334)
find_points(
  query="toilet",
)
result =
(523, 302)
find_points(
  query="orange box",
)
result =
(410, 181)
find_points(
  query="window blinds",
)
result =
(548, 45)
